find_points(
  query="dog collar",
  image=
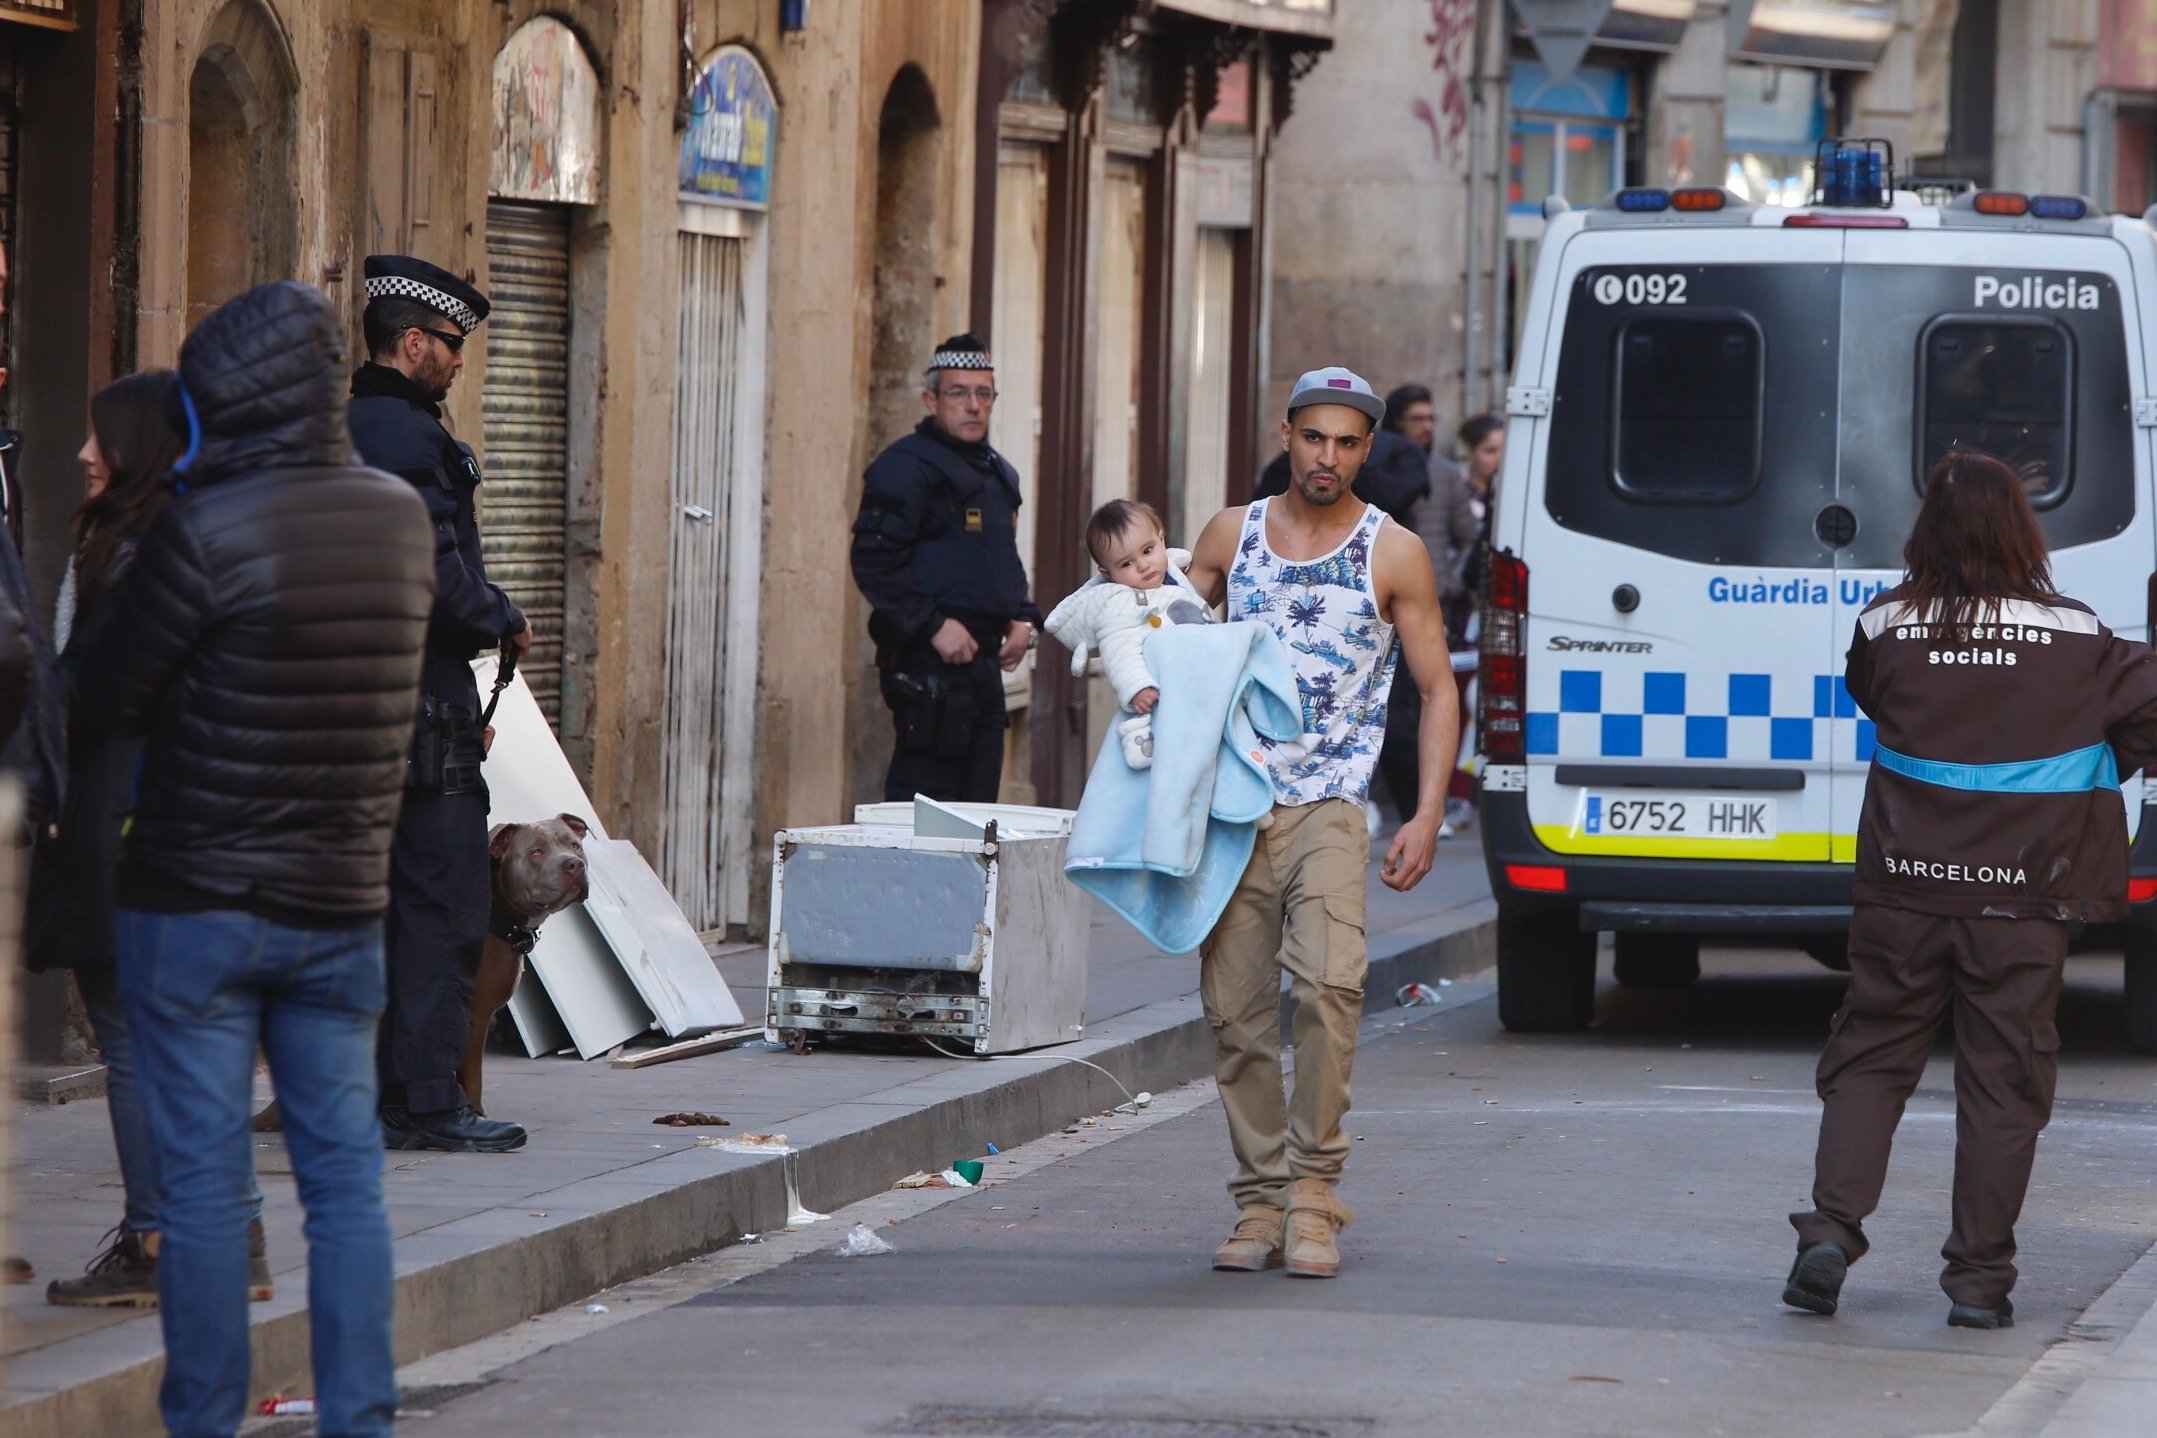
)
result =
(520, 937)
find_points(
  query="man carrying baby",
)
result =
(1339, 582)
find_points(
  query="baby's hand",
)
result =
(1143, 701)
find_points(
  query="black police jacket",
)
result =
(397, 426)
(267, 639)
(937, 538)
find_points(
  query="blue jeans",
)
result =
(203, 990)
(123, 1100)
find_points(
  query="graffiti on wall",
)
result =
(546, 118)
(1451, 38)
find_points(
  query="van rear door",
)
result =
(1681, 616)
(1976, 346)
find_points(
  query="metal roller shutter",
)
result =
(525, 407)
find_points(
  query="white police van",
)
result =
(1719, 420)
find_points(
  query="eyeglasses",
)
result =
(455, 341)
(983, 395)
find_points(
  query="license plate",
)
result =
(1678, 816)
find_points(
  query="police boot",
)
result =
(1315, 1215)
(458, 1130)
(1255, 1245)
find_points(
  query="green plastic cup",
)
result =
(969, 1169)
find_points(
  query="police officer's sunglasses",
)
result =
(454, 341)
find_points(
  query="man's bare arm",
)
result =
(1214, 553)
(1408, 595)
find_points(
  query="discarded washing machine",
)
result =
(950, 922)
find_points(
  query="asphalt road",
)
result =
(1558, 1235)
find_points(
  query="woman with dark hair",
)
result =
(126, 460)
(1992, 822)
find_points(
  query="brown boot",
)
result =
(1314, 1216)
(1256, 1243)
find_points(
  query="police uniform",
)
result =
(1992, 822)
(937, 538)
(439, 874)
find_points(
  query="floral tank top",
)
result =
(1326, 612)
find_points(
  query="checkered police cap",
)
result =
(403, 277)
(961, 352)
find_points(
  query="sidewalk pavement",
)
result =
(600, 1195)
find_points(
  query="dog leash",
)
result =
(504, 672)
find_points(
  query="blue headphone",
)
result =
(181, 465)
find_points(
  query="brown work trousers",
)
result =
(1299, 907)
(2001, 978)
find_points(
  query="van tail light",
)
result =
(1501, 708)
(2141, 891)
(1538, 878)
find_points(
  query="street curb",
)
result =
(484, 1272)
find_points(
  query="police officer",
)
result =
(417, 320)
(936, 555)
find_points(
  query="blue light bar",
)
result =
(1643, 201)
(2058, 207)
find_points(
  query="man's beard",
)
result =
(1321, 499)
(435, 381)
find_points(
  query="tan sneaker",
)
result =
(1255, 1245)
(1314, 1217)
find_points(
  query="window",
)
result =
(1688, 409)
(2004, 387)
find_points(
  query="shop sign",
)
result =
(546, 118)
(52, 14)
(2127, 53)
(1222, 186)
(733, 125)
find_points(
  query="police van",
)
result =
(1720, 417)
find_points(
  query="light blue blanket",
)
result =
(1165, 847)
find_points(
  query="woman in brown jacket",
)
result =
(1992, 820)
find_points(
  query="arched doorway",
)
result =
(906, 243)
(903, 320)
(545, 163)
(242, 210)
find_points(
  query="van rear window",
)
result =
(2004, 387)
(1688, 408)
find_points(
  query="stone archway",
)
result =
(903, 322)
(904, 286)
(242, 198)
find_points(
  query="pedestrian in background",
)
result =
(935, 552)
(125, 459)
(417, 320)
(1992, 822)
(1446, 523)
(266, 644)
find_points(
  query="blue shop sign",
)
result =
(733, 126)
(1591, 94)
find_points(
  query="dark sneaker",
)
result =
(1816, 1278)
(260, 1288)
(1974, 1315)
(460, 1130)
(123, 1276)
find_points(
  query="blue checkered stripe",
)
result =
(1723, 716)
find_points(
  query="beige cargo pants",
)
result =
(1299, 907)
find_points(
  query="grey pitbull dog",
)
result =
(538, 870)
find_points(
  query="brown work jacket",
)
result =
(1994, 789)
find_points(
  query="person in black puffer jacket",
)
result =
(266, 642)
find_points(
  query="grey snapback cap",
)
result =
(1335, 385)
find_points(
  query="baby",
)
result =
(1140, 588)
